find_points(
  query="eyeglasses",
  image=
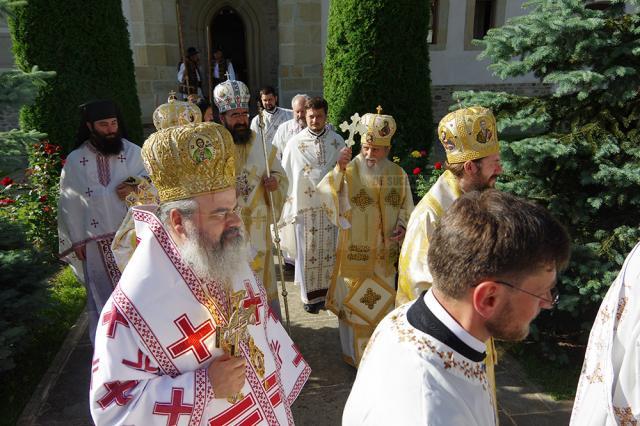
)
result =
(225, 215)
(555, 293)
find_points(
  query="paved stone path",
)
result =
(62, 396)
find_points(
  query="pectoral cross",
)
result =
(230, 336)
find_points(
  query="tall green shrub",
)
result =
(577, 149)
(86, 42)
(377, 54)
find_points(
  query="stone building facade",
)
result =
(282, 43)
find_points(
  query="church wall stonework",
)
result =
(300, 44)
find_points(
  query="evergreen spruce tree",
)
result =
(86, 42)
(377, 54)
(575, 150)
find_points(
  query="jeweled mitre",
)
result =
(187, 161)
(379, 128)
(468, 134)
(176, 113)
(231, 94)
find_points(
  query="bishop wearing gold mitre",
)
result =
(370, 201)
(469, 138)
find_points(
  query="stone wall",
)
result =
(441, 96)
(300, 40)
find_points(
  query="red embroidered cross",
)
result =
(269, 385)
(113, 318)
(193, 339)
(138, 364)
(116, 393)
(122, 158)
(88, 192)
(173, 409)
(94, 223)
(252, 299)
(232, 414)
(84, 161)
(298, 358)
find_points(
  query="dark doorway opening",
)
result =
(228, 34)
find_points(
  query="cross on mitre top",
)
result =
(226, 74)
(379, 109)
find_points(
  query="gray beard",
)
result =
(217, 261)
(371, 176)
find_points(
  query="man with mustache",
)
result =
(253, 186)
(187, 336)
(371, 201)
(272, 115)
(471, 166)
(95, 181)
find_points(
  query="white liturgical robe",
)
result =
(421, 368)
(157, 335)
(272, 120)
(285, 131)
(90, 212)
(609, 388)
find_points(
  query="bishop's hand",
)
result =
(227, 375)
(344, 158)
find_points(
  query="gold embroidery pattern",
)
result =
(257, 358)
(310, 191)
(358, 252)
(362, 199)
(622, 303)
(370, 298)
(393, 198)
(596, 376)
(605, 315)
(471, 370)
(625, 416)
(307, 169)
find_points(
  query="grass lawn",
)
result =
(68, 297)
(558, 379)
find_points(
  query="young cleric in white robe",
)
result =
(609, 388)
(187, 336)
(96, 178)
(494, 259)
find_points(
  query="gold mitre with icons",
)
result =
(468, 134)
(231, 94)
(187, 161)
(176, 113)
(379, 128)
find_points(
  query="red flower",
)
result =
(63, 162)
(6, 181)
(6, 201)
(46, 209)
(438, 165)
(50, 148)
(417, 171)
(423, 152)
(43, 198)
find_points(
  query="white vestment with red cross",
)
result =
(156, 337)
(89, 214)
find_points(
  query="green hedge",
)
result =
(86, 42)
(377, 54)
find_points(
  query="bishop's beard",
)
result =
(217, 261)
(241, 134)
(371, 175)
(107, 144)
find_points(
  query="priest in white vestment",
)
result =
(494, 259)
(272, 115)
(96, 178)
(371, 201)
(187, 336)
(307, 158)
(609, 388)
(253, 186)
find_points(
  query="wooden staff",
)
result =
(181, 46)
(209, 66)
(276, 233)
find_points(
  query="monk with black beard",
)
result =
(253, 186)
(97, 177)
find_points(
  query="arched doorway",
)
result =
(228, 34)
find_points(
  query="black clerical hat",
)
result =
(192, 51)
(98, 110)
